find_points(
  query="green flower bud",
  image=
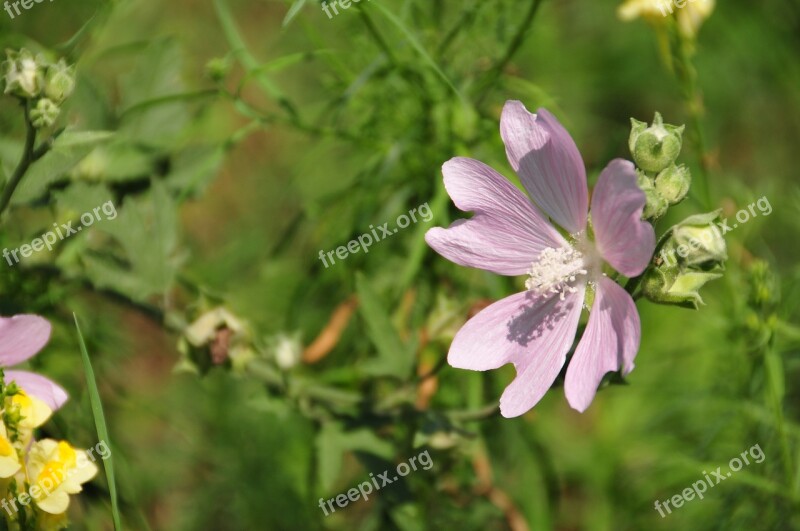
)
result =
(700, 245)
(218, 68)
(673, 183)
(681, 289)
(656, 206)
(59, 81)
(44, 114)
(692, 255)
(764, 286)
(656, 147)
(22, 74)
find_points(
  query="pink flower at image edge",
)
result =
(509, 235)
(21, 337)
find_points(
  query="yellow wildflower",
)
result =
(56, 470)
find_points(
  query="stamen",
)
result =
(555, 270)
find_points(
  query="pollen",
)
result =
(555, 271)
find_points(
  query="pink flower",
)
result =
(21, 337)
(509, 235)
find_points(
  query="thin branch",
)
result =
(496, 71)
(24, 163)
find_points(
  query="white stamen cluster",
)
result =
(555, 270)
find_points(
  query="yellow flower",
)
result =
(651, 10)
(689, 13)
(56, 470)
(691, 17)
(33, 412)
(9, 459)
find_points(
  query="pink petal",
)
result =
(548, 163)
(611, 341)
(622, 238)
(506, 233)
(37, 385)
(21, 337)
(535, 335)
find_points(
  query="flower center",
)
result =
(555, 270)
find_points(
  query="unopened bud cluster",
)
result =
(655, 149)
(41, 84)
(693, 254)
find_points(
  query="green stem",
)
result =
(28, 157)
(772, 361)
(519, 38)
(686, 76)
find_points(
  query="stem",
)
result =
(513, 47)
(28, 157)
(687, 78)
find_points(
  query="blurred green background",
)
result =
(250, 135)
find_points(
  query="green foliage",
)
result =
(236, 140)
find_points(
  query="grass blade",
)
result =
(100, 424)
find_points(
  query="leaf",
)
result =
(394, 358)
(100, 425)
(156, 77)
(146, 230)
(239, 48)
(293, 11)
(194, 168)
(412, 40)
(333, 442)
(67, 151)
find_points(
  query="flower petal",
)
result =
(622, 238)
(548, 163)
(541, 333)
(493, 337)
(39, 386)
(611, 341)
(507, 231)
(21, 337)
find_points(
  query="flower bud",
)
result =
(59, 81)
(219, 68)
(22, 74)
(288, 351)
(656, 206)
(671, 286)
(692, 255)
(656, 147)
(44, 114)
(700, 243)
(673, 183)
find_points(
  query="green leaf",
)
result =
(239, 49)
(394, 358)
(67, 151)
(293, 11)
(146, 230)
(333, 442)
(156, 78)
(100, 425)
(412, 40)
